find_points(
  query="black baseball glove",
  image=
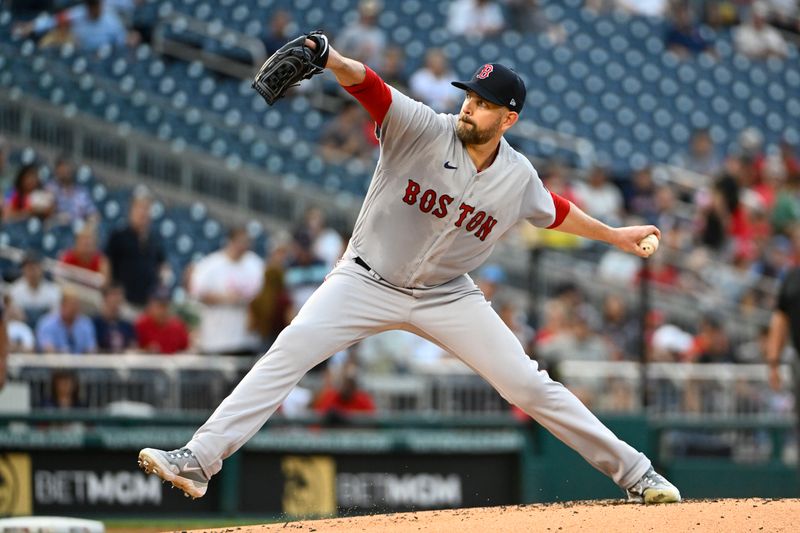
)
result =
(293, 62)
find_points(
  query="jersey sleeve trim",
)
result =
(562, 206)
(373, 94)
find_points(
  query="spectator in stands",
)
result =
(66, 330)
(364, 41)
(641, 199)
(72, 201)
(28, 198)
(158, 330)
(668, 342)
(135, 254)
(305, 272)
(599, 197)
(720, 14)
(431, 83)
(345, 399)
(758, 40)
(513, 315)
(64, 391)
(683, 36)
(19, 335)
(578, 341)
(787, 205)
(326, 242)
(716, 214)
(480, 18)
(34, 294)
(702, 156)
(270, 310)
(278, 33)
(526, 16)
(620, 330)
(489, 280)
(85, 254)
(348, 136)
(661, 271)
(557, 180)
(394, 69)
(90, 25)
(225, 282)
(552, 323)
(666, 218)
(791, 161)
(114, 333)
(753, 351)
(711, 344)
(784, 15)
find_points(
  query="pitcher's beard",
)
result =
(469, 133)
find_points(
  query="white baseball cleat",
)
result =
(653, 488)
(179, 467)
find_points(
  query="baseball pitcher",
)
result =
(445, 189)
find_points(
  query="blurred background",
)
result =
(161, 225)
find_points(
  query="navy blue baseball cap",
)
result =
(497, 84)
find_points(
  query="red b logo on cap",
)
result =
(485, 71)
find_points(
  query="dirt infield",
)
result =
(717, 516)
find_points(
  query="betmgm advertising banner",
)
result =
(317, 485)
(15, 485)
(87, 482)
(107, 483)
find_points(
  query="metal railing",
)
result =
(199, 383)
(679, 389)
(166, 44)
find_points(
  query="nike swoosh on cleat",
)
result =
(447, 166)
(187, 468)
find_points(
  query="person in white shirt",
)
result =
(20, 335)
(326, 243)
(364, 40)
(226, 281)
(431, 84)
(32, 292)
(756, 39)
(475, 17)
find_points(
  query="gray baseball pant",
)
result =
(353, 304)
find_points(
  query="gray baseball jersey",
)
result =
(429, 216)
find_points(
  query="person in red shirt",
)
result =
(84, 254)
(345, 399)
(158, 330)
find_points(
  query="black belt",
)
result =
(368, 268)
(364, 264)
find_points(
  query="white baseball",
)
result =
(649, 244)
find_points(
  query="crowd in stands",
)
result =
(742, 231)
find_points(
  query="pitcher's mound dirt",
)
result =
(718, 516)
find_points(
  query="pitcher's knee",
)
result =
(533, 389)
(295, 347)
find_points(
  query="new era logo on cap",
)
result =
(497, 84)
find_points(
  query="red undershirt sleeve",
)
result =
(562, 209)
(373, 94)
